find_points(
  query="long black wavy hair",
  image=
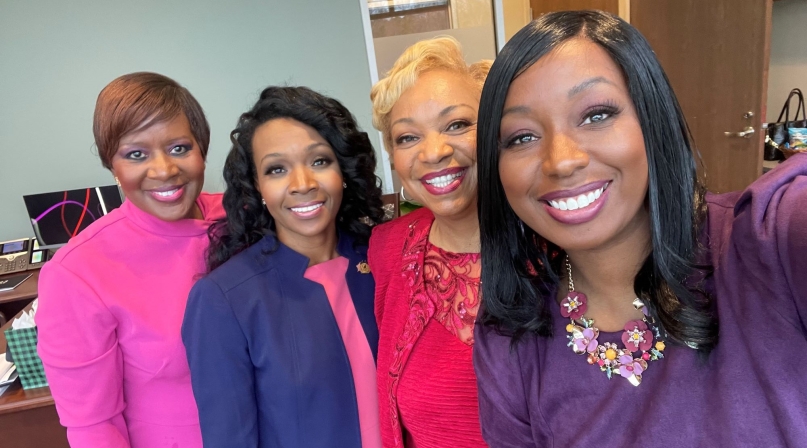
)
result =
(520, 268)
(247, 220)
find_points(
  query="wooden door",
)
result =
(544, 6)
(716, 55)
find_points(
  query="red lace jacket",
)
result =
(401, 317)
(403, 309)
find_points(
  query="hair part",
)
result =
(439, 53)
(247, 220)
(136, 101)
(521, 269)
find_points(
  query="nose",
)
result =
(563, 156)
(435, 149)
(162, 166)
(302, 181)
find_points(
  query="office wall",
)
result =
(517, 14)
(788, 67)
(55, 57)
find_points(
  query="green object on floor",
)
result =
(408, 206)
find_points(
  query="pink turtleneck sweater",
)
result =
(111, 305)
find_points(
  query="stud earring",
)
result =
(344, 185)
(263, 201)
(117, 181)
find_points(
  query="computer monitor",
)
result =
(58, 216)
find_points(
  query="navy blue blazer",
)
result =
(268, 365)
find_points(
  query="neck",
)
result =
(606, 276)
(197, 212)
(459, 234)
(317, 248)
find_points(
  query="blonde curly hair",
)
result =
(443, 52)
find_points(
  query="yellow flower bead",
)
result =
(569, 328)
(610, 354)
(660, 346)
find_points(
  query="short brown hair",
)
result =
(138, 100)
(442, 52)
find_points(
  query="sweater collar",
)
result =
(182, 227)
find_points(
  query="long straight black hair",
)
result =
(520, 268)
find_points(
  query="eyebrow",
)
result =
(587, 84)
(308, 148)
(442, 114)
(576, 90)
(171, 142)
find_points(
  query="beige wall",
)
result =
(471, 13)
(55, 57)
(788, 68)
(517, 13)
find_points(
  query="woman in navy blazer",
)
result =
(280, 335)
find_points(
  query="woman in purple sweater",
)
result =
(625, 306)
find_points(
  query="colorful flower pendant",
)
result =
(637, 337)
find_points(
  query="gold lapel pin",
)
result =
(363, 267)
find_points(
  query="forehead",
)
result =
(284, 134)
(561, 70)
(436, 89)
(176, 127)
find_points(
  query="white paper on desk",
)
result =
(26, 320)
(9, 377)
(5, 367)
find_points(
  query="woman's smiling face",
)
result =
(573, 164)
(433, 133)
(298, 176)
(161, 169)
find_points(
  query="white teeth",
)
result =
(444, 181)
(166, 193)
(582, 201)
(306, 209)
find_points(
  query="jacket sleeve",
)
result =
(791, 244)
(83, 363)
(503, 411)
(222, 373)
(378, 257)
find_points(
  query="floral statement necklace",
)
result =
(636, 337)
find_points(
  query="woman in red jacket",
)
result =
(426, 264)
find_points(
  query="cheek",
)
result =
(466, 148)
(402, 159)
(517, 177)
(129, 175)
(333, 183)
(272, 192)
(195, 168)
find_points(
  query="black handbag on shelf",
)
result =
(777, 134)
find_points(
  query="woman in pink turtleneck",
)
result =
(112, 300)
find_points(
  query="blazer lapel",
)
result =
(361, 285)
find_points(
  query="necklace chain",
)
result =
(638, 336)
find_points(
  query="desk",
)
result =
(28, 418)
(11, 302)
